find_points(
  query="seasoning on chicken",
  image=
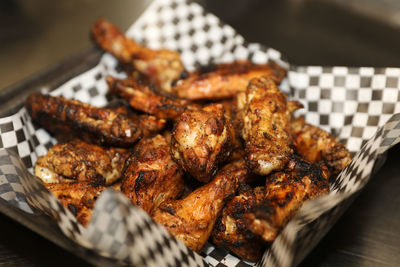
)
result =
(148, 124)
(98, 125)
(151, 176)
(316, 145)
(201, 139)
(231, 231)
(81, 161)
(266, 119)
(142, 98)
(192, 219)
(161, 67)
(285, 193)
(78, 197)
(225, 80)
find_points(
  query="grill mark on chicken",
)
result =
(285, 193)
(142, 98)
(151, 176)
(192, 219)
(81, 161)
(317, 145)
(225, 80)
(231, 230)
(265, 114)
(201, 139)
(161, 67)
(98, 125)
(78, 197)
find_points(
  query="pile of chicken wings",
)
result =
(215, 154)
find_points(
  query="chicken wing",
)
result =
(285, 193)
(98, 125)
(225, 80)
(142, 98)
(148, 124)
(231, 231)
(316, 145)
(81, 161)
(78, 197)
(192, 219)
(266, 126)
(161, 67)
(151, 176)
(201, 139)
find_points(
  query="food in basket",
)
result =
(225, 80)
(78, 197)
(217, 152)
(159, 67)
(151, 176)
(201, 140)
(72, 117)
(266, 116)
(80, 161)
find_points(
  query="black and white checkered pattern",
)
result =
(350, 102)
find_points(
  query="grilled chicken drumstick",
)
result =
(161, 67)
(231, 231)
(201, 139)
(151, 176)
(285, 192)
(192, 219)
(316, 145)
(98, 125)
(78, 197)
(266, 119)
(81, 161)
(142, 98)
(225, 80)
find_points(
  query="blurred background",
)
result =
(35, 35)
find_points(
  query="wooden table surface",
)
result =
(36, 35)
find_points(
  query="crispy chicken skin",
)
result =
(161, 67)
(151, 176)
(266, 126)
(95, 125)
(142, 98)
(225, 80)
(316, 145)
(201, 139)
(148, 124)
(81, 161)
(231, 231)
(192, 219)
(285, 192)
(78, 197)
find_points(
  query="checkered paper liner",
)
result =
(358, 105)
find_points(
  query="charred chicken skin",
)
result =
(285, 193)
(316, 145)
(201, 139)
(78, 197)
(148, 124)
(225, 80)
(142, 98)
(231, 231)
(266, 126)
(192, 219)
(151, 176)
(99, 125)
(161, 67)
(81, 161)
